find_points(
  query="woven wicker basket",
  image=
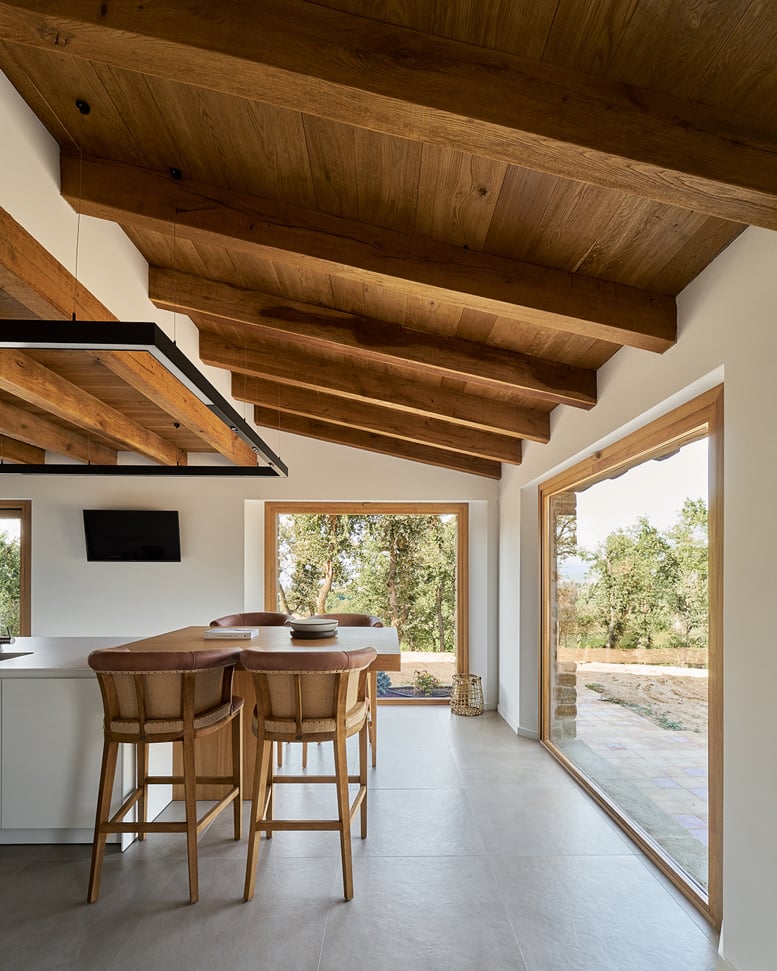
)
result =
(467, 695)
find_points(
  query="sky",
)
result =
(11, 527)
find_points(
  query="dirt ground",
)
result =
(670, 697)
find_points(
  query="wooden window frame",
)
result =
(24, 507)
(459, 509)
(700, 418)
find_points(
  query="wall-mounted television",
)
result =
(126, 535)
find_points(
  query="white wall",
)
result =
(221, 519)
(727, 332)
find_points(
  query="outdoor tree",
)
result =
(10, 582)
(630, 590)
(314, 552)
(407, 565)
(689, 540)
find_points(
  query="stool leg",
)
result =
(372, 708)
(107, 772)
(190, 800)
(344, 812)
(237, 770)
(304, 755)
(141, 772)
(363, 776)
(259, 795)
(269, 796)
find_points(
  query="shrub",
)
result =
(384, 683)
(425, 683)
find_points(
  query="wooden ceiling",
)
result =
(416, 233)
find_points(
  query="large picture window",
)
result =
(632, 626)
(405, 563)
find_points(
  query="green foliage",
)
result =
(689, 539)
(400, 567)
(314, 552)
(631, 584)
(425, 683)
(644, 588)
(10, 583)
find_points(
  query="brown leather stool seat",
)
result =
(259, 618)
(165, 696)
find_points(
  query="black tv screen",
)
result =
(123, 535)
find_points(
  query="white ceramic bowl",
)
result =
(313, 623)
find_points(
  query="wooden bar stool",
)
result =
(161, 696)
(364, 620)
(306, 696)
(355, 620)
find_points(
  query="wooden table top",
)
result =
(383, 639)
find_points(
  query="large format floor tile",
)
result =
(482, 855)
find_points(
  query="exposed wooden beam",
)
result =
(371, 442)
(39, 281)
(39, 431)
(369, 417)
(12, 450)
(25, 378)
(376, 340)
(143, 199)
(304, 369)
(145, 374)
(403, 82)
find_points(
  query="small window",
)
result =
(15, 566)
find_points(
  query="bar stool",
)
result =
(165, 696)
(306, 696)
(257, 618)
(359, 620)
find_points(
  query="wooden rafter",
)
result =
(371, 417)
(12, 450)
(25, 378)
(39, 431)
(403, 82)
(550, 298)
(373, 340)
(325, 431)
(303, 369)
(145, 374)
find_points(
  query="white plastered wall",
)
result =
(728, 333)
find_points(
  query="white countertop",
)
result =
(56, 657)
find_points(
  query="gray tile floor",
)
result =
(482, 854)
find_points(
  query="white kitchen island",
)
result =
(51, 718)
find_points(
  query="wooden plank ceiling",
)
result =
(416, 233)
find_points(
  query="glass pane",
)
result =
(10, 571)
(401, 568)
(629, 659)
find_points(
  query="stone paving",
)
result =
(657, 774)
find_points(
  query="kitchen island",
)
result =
(51, 727)
(51, 733)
